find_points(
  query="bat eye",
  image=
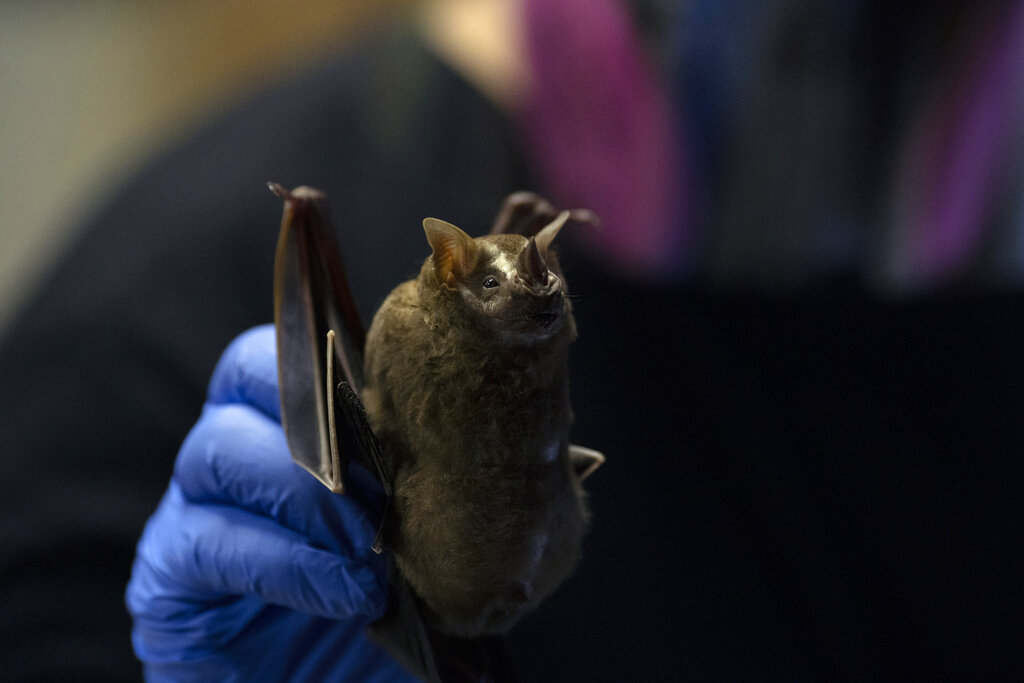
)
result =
(490, 282)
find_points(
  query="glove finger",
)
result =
(247, 372)
(194, 555)
(239, 457)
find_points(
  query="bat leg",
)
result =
(470, 660)
(433, 656)
(584, 460)
(403, 634)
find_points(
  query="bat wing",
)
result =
(320, 339)
(525, 213)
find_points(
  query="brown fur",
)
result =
(471, 402)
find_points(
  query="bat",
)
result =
(461, 413)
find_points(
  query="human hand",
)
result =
(250, 568)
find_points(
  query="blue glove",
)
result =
(250, 569)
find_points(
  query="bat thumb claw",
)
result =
(279, 190)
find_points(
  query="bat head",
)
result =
(506, 283)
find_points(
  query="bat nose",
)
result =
(531, 266)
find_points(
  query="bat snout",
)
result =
(549, 311)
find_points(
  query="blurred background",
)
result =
(865, 142)
(90, 90)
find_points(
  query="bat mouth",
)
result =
(546, 319)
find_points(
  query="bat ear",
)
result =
(455, 252)
(547, 234)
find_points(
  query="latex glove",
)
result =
(250, 569)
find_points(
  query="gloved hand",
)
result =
(250, 569)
